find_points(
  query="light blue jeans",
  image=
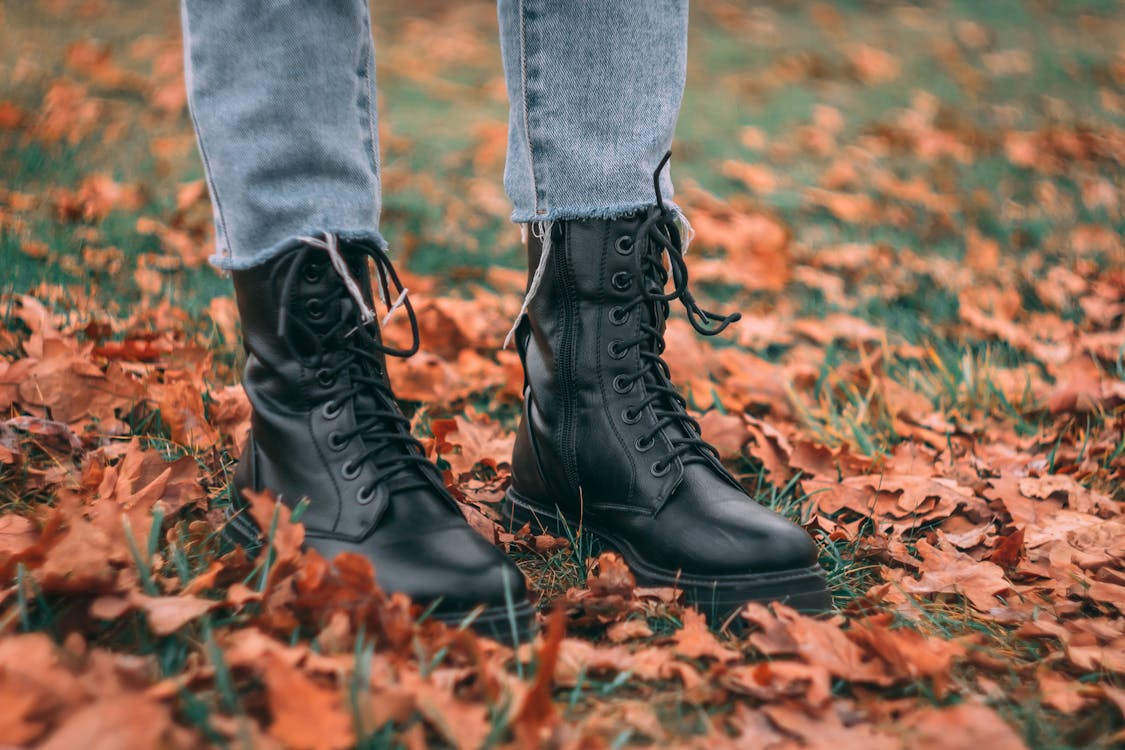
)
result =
(282, 96)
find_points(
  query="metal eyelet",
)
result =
(618, 315)
(621, 281)
(336, 441)
(350, 470)
(622, 384)
(644, 444)
(314, 308)
(617, 349)
(326, 378)
(624, 244)
(365, 495)
(313, 273)
(331, 410)
(629, 416)
(660, 468)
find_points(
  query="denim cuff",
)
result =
(613, 211)
(230, 263)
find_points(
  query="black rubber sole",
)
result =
(511, 625)
(804, 589)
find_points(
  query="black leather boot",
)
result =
(605, 444)
(326, 427)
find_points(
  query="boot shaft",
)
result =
(294, 312)
(596, 411)
(325, 424)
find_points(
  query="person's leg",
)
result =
(606, 443)
(282, 96)
(595, 89)
(283, 100)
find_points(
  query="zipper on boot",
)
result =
(565, 362)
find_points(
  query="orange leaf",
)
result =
(304, 715)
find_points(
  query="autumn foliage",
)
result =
(928, 376)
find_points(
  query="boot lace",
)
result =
(661, 230)
(351, 344)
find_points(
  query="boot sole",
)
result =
(510, 625)
(718, 597)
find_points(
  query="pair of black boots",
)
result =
(605, 443)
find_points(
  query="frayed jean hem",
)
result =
(613, 211)
(230, 263)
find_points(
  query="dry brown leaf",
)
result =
(945, 571)
(696, 641)
(965, 726)
(304, 715)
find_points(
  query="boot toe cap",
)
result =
(455, 567)
(773, 546)
(725, 533)
(452, 567)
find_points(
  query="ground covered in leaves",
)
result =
(919, 210)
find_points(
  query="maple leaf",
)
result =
(578, 658)
(896, 503)
(295, 700)
(948, 571)
(480, 441)
(727, 432)
(825, 729)
(82, 560)
(461, 723)
(907, 654)
(771, 447)
(614, 718)
(776, 680)
(696, 641)
(121, 722)
(962, 727)
(1083, 388)
(1062, 694)
(64, 380)
(610, 576)
(167, 614)
(627, 630)
(142, 478)
(181, 408)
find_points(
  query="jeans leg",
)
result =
(595, 88)
(282, 96)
